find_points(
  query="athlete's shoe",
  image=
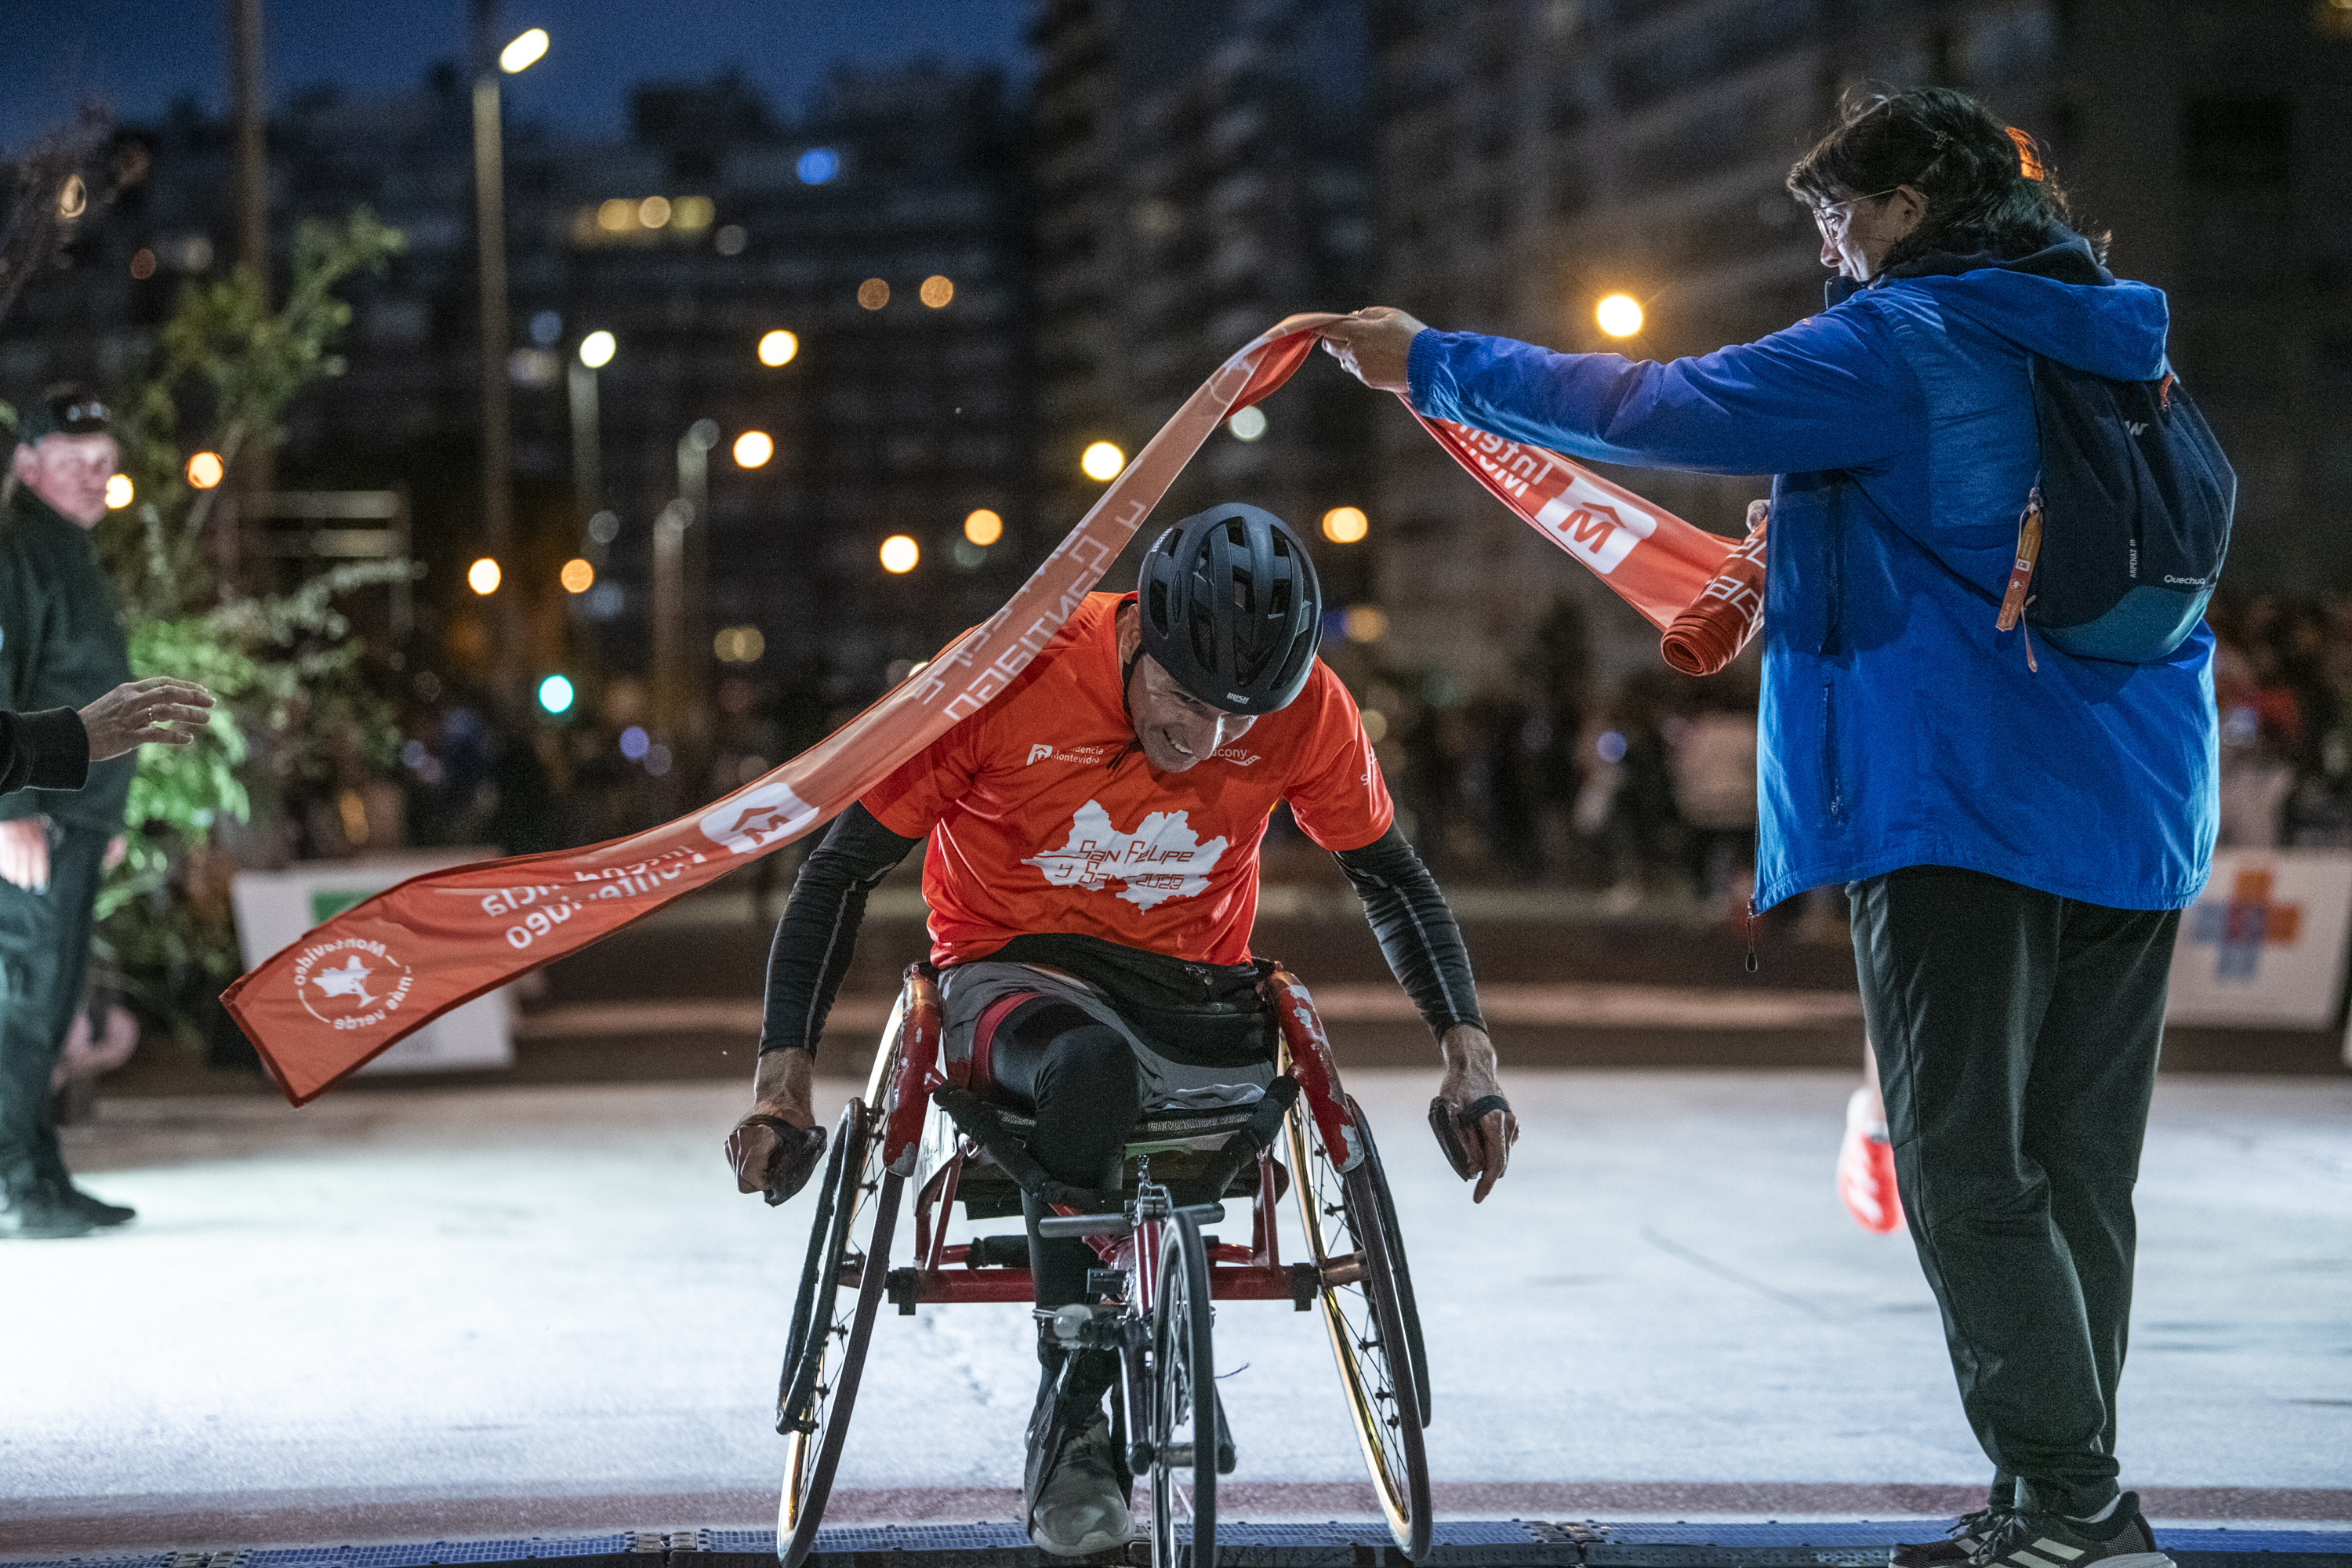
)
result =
(1962, 1539)
(1082, 1509)
(1865, 1169)
(2122, 1540)
(98, 1211)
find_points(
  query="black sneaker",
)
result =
(1962, 1538)
(39, 1210)
(2122, 1540)
(98, 1211)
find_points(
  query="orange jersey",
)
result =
(1033, 829)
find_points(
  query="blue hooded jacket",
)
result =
(1898, 728)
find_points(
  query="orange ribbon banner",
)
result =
(352, 987)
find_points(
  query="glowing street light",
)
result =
(899, 554)
(1248, 425)
(937, 291)
(556, 694)
(578, 576)
(119, 492)
(523, 51)
(752, 449)
(1620, 315)
(983, 527)
(873, 294)
(778, 348)
(205, 469)
(596, 350)
(1346, 525)
(482, 576)
(1101, 461)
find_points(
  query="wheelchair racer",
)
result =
(1092, 874)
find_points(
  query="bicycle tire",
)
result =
(828, 1242)
(1362, 1316)
(1395, 1234)
(1184, 1381)
(813, 1449)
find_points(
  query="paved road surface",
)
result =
(399, 1313)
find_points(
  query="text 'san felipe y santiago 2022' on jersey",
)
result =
(1033, 830)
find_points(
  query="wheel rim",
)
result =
(1184, 1401)
(1392, 1233)
(1368, 1375)
(830, 1370)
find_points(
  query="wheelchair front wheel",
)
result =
(1187, 1426)
(1348, 1221)
(831, 1330)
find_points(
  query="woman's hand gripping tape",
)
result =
(1709, 635)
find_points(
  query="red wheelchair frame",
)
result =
(1355, 1273)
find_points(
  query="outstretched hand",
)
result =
(1373, 345)
(158, 709)
(1469, 1078)
(775, 1149)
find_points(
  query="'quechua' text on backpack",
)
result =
(2123, 538)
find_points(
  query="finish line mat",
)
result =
(1459, 1544)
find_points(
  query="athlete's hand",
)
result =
(25, 852)
(777, 1160)
(1469, 1078)
(1373, 345)
(162, 710)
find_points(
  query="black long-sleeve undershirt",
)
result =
(1416, 930)
(48, 750)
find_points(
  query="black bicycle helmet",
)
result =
(1230, 608)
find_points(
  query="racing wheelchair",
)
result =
(1151, 1301)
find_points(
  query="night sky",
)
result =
(139, 55)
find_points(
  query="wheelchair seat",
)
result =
(1179, 1145)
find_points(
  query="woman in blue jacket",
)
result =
(2018, 836)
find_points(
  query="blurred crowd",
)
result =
(1639, 790)
(2283, 680)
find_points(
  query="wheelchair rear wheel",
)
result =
(1187, 1426)
(1349, 1222)
(841, 1292)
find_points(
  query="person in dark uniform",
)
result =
(62, 645)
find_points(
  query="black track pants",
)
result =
(44, 960)
(1079, 1080)
(2017, 1035)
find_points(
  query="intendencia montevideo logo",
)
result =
(352, 983)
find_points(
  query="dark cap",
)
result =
(67, 408)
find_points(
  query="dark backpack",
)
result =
(2135, 501)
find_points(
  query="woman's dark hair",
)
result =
(1988, 185)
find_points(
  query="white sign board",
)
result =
(274, 907)
(2264, 946)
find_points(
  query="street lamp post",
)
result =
(490, 229)
(681, 564)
